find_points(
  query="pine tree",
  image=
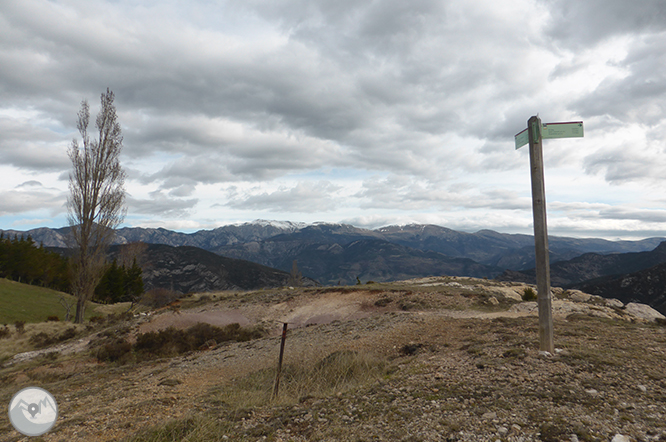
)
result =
(134, 283)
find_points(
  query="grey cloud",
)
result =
(31, 183)
(33, 158)
(31, 146)
(31, 199)
(405, 193)
(302, 198)
(424, 92)
(160, 204)
(625, 164)
(581, 23)
(219, 169)
(183, 191)
(652, 216)
(191, 170)
(348, 73)
(639, 96)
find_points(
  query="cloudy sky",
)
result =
(364, 112)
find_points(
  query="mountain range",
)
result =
(340, 253)
(508, 251)
(591, 266)
(646, 286)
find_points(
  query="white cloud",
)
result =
(32, 198)
(413, 105)
(160, 205)
(301, 198)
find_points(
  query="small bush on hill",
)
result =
(53, 318)
(383, 302)
(5, 332)
(42, 339)
(20, 327)
(529, 294)
(164, 343)
(117, 350)
(67, 334)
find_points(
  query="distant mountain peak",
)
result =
(287, 225)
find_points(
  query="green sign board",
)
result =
(562, 130)
(552, 130)
(522, 139)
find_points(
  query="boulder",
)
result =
(643, 312)
(616, 303)
(514, 292)
(578, 296)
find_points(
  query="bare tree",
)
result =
(96, 198)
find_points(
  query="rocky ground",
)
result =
(445, 359)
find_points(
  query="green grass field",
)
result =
(22, 302)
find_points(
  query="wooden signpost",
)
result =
(533, 135)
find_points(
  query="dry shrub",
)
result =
(97, 319)
(383, 302)
(20, 327)
(117, 350)
(163, 343)
(42, 339)
(5, 332)
(172, 342)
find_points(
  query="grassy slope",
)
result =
(23, 302)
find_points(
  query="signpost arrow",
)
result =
(522, 139)
(572, 129)
(533, 135)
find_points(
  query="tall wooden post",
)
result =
(540, 236)
(279, 368)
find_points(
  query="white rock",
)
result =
(642, 388)
(493, 301)
(507, 292)
(614, 303)
(620, 438)
(642, 311)
(578, 296)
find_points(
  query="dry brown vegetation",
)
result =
(409, 362)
